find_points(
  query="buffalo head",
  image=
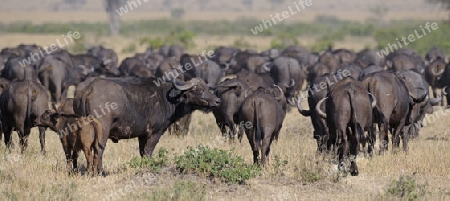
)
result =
(195, 92)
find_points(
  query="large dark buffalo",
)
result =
(433, 74)
(20, 104)
(349, 112)
(419, 87)
(210, 72)
(232, 94)
(344, 56)
(14, 71)
(108, 58)
(138, 107)
(134, 67)
(433, 54)
(288, 75)
(57, 75)
(266, 116)
(168, 69)
(368, 57)
(314, 95)
(395, 103)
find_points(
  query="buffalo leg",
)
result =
(7, 130)
(255, 148)
(342, 147)
(384, 136)
(89, 157)
(151, 144)
(75, 160)
(354, 147)
(42, 139)
(101, 147)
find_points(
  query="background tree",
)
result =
(203, 4)
(380, 11)
(275, 3)
(248, 4)
(445, 4)
(114, 18)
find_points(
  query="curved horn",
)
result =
(266, 67)
(444, 92)
(435, 101)
(305, 113)
(437, 73)
(186, 86)
(280, 96)
(107, 61)
(292, 83)
(374, 100)
(420, 99)
(319, 111)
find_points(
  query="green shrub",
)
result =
(131, 48)
(406, 187)
(177, 13)
(155, 163)
(279, 165)
(283, 40)
(242, 43)
(215, 163)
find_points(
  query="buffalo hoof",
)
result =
(43, 152)
(354, 169)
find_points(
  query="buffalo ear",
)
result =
(238, 90)
(55, 115)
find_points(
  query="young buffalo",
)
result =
(76, 133)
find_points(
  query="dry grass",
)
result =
(43, 177)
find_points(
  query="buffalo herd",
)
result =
(351, 96)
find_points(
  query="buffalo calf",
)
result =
(84, 136)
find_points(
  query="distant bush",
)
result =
(176, 37)
(177, 13)
(241, 43)
(283, 40)
(436, 38)
(131, 48)
(215, 163)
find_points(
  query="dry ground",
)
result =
(33, 175)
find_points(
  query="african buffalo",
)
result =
(395, 103)
(266, 116)
(20, 104)
(349, 109)
(84, 137)
(141, 108)
(433, 74)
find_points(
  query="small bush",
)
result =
(279, 165)
(177, 13)
(154, 163)
(215, 163)
(281, 41)
(406, 187)
(131, 48)
(311, 176)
